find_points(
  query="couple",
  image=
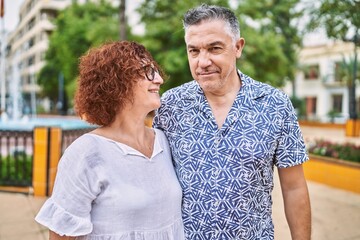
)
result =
(224, 132)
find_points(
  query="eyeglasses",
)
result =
(150, 72)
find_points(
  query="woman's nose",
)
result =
(158, 78)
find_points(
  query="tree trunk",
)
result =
(122, 19)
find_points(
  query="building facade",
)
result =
(320, 81)
(26, 47)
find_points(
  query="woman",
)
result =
(116, 182)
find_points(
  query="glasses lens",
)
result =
(150, 73)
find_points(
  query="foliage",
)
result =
(267, 56)
(263, 57)
(280, 19)
(16, 168)
(340, 18)
(332, 114)
(164, 36)
(346, 151)
(78, 28)
(345, 70)
(299, 105)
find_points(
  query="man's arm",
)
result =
(296, 202)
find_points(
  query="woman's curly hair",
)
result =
(107, 76)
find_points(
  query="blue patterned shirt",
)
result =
(227, 174)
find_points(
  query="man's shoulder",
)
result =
(185, 90)
(256, 89)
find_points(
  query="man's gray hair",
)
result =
(205, 12)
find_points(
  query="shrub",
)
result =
(16, 169)
(344, 151)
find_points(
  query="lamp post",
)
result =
(352, 93)
(60, 103)
(2, 63)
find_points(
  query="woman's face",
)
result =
(146, 90)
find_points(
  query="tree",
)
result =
(262, 58)
(339, 18)
(278, 18)
(164, 36)
(122, 18)
(78, 28)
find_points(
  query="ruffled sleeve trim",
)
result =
(62, 222)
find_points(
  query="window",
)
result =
(31, 42)
(311, 72)
(310, 106)
(337, 100)
(31, 23)
(31, 60)
(28, 77)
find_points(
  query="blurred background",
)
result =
(307, 48)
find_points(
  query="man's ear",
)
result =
(239, 47)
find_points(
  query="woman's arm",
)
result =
(55, 236)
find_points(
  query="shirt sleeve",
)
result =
(291, 149)
(67, 211)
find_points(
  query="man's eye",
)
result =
(215, 49)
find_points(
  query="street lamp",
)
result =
(352, 87)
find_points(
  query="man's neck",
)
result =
(221, 103)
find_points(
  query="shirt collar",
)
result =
(127, 150)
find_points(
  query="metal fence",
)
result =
(16, 158)
(17, 155)
(68, 136)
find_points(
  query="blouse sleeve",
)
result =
(67, 211)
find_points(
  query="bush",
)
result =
(345, 151)
(16, 169)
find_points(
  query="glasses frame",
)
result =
(150, 72)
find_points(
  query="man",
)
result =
(226, 132)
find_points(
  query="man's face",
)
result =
(212, 55)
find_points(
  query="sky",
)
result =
(12, 8)
(11, 16)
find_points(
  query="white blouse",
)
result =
(108, 190)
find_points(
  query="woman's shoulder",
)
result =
(85, 146)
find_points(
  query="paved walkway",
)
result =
(335, 213)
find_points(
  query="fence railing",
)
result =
(16, 158)
(29, 158)
(68, 136)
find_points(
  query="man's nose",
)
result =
(204, 59)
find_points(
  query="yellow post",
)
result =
(352, 128)
(40, 154)
(47, 152)
(55, 154)
(357, 127)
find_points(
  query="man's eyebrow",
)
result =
(216, 43)
(208, 45)
(190, 46)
